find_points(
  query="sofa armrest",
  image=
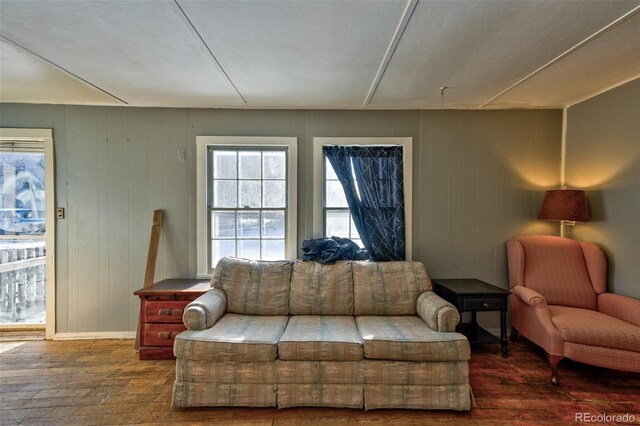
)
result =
(437, 313)
(618, 306)
(529, 296)
(203, 312)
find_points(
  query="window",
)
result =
(337, 219)
(247, 191)
(331, 215)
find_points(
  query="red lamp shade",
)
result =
(565, 204)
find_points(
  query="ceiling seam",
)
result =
(566, 53)
(194, 32)
(66, 71)
(576, 101)
(402, 25)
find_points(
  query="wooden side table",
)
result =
(473, 295)
(161, 307)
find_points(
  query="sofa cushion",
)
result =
(254, 287)
(239, 338)
(407, 338)
(594, 328)
(388, 288)
(318, 289)
(320, 338)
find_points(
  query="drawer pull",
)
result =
(169, 312)
(168, 335)
(485, 304)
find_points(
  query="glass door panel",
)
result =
(22, 235)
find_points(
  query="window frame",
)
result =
(203, 143)
(319, 178)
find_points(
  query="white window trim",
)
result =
(46, 137)
(202, 142)
(318, 169)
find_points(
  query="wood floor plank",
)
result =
(102, 382)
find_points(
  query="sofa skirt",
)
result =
(365, 384)
(188, 394)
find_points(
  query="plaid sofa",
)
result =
(352, 334)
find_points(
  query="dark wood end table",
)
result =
(473, 295)
(161, 307)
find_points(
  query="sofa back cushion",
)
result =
(318, 289)
(254, 287)
(388, 288)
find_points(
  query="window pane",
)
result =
(275, 193)
(354, 230)
(225, 165)
(225, 193)
(250, 193)
(275, 165)
(22, 197)
(337, 224)
(249, 249)
(328, 170)
(334, 195)
(273, 224)
(250, 165)
(272, 249)
(222, 248)
(248, 224)
(223, 224)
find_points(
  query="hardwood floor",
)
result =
(102, 382)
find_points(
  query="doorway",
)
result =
(27, 231)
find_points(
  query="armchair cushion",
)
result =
(594, 328)
(437, 313)
(621, 307)
(555, 268)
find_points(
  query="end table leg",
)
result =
(503, 333)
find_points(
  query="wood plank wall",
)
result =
(478, 179)
(603, 158)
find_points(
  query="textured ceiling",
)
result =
(316, 54)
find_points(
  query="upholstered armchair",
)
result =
(560, 303)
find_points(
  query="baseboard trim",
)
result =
(96, 335)
(493, 330)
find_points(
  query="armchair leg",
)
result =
(514, 334)
(554, 360)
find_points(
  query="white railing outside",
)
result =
(22, 282)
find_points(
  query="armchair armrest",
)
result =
(531, 313)
(203, 312)
(437, 313)
(529, 296)
(618, 306)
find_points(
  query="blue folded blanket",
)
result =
(329, 250)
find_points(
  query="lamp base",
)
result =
(564, 223)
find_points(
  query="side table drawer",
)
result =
(164, 311)
(161, 334)
(484, 304)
